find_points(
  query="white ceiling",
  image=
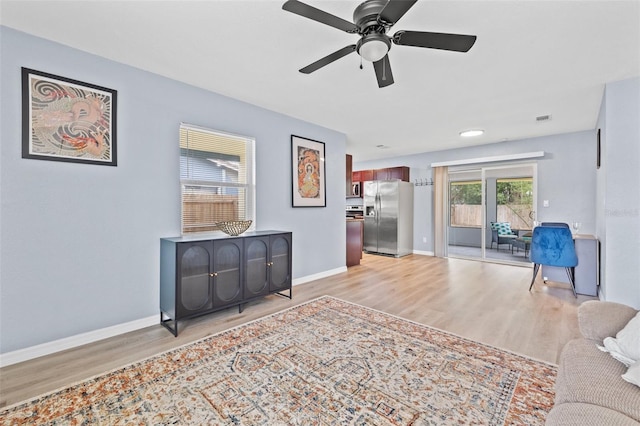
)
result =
(531, 58)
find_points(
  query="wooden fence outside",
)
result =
(471, 215)
(201, 212)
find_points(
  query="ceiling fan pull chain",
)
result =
(360, 62)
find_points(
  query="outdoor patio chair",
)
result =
(501, 233)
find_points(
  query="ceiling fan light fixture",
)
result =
(371, 21)
(471, 133)
(373, 47)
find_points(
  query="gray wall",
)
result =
(618, 193)
(468, 237)
(566, 177)
(492, 208)
(79, 244)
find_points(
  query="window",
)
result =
(216, 177)
(465, 203)
(514, 199)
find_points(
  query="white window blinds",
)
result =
(217, 178)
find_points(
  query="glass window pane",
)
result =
(216, 173)
(209, 166)
(465, 204)
(515, 202)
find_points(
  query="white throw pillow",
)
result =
(625, 347)
(633, 374)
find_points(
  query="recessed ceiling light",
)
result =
(471, 133)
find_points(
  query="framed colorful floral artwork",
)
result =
(67, 120)
(307, 172)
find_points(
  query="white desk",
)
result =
(586, 273)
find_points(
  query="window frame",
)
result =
(250, 180)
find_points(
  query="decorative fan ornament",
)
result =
(371, 21)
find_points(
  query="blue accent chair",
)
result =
(553, 246)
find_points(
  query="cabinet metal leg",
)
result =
(290, 296)
(165, 323)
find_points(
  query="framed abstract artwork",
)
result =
(307, 173)
(67, 120)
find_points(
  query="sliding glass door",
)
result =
(491, 213)
(509, 212)
(464, 227)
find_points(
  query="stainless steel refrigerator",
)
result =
(388, 217)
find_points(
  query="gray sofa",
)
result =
(589, 387)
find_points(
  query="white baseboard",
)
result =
(319, 275)
(424, 253)
(48, 348)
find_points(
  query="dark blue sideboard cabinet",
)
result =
(202, 274)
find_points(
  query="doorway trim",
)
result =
(494, 159)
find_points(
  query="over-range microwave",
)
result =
(355, 189)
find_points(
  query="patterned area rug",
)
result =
(326, 362)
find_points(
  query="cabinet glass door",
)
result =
(195, 291)
(280, 258)
(227, 281)
(256, 273)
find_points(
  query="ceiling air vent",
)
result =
(543, 118)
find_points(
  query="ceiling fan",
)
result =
(372, 19)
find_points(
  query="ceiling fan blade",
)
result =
(328, 59)
(383, 72)
(394, 10)
(455, 42)
(302, 9)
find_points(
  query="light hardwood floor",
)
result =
(481, 301)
